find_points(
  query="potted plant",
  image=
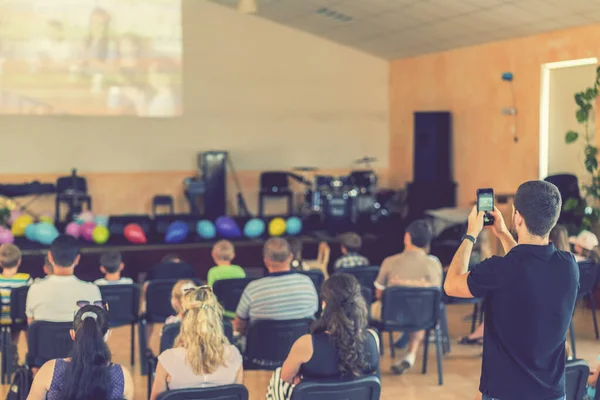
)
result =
(587, 209)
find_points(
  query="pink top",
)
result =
(182, 376)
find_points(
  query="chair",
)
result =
(227, 392)
(162, 200)
(588, 272)
(18, 300)
(47, 341)
(577, 372)
(123, 308)
(316, 276)
(274, 184)
(476, 316)
(364, 275)
(268, 342)
(365, 388)
(229, 291)
(411, 309)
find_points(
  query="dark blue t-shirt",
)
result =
(529, 299)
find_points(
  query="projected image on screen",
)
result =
(90, 57)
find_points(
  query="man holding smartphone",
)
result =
(529, 294)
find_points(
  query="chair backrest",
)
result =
(268, 342)
(227, 392)
(274, 181)
(18, 300)
(158, 299)
(567, 185)
(171, 331)
(588, 273)
(365, 388)
(411, 308)
(48, 340)
(368, 296)
(69, 182)
(364, 275)
(577, 373)
(229, 291)
(123, 303)
(316, 276)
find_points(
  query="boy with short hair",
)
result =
(223, 254)
(10, 260)
(111, 265)
(350, 244)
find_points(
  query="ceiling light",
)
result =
(247, 6)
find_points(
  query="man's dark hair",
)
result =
(64, 250)
(351, 241)
(420, 233)
(111, 261)
(539, 203)
(170, 258)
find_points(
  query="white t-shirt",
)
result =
(122, 281)
(55, 298)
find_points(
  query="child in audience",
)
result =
(202, 356)
(10, 260)
(350, 244)
(585, 246)
(48, 269)
(223, 254)
(179, 289)
(111, 265)
(559, 236)
(298, 263)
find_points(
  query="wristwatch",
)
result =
(468, 237)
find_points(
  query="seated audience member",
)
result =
(223, 253)
(111, 266)
(89, 373)
(202, 356)
(281, 295)
(297, 263)
(10, 261)
(412, 267)
(350, 244)
(340, 345)
(585, 246)
(55, 298)
(179, 289)
(171, 267)
(559, 237)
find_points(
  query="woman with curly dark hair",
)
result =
(340, 345)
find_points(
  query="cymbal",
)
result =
(365, 160)
(305, 169)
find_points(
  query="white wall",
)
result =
(564, 83)
(272, 96)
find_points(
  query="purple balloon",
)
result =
(87, 231)
(228, 228)
(6, 236)
(177, 232)
(73, 229)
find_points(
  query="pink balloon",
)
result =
(6, 236)
(14, 214)
(86, 216)
(87, 231)
(73, 229)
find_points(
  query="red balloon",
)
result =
(135, 234)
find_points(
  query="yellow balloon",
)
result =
(20, 224)
(46, 219)
(277, 227)
(100, 234)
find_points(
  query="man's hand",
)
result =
(499, 228)
(475, 222)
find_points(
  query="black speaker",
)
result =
(433, 147)
(214, 172)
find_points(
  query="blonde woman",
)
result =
(202, 355)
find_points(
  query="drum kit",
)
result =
(341, 197)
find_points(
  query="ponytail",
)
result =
(87, 376)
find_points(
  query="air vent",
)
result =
(332, 14)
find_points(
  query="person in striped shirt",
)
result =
(10, 260)
(281, 295)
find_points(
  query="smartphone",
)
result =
(485, 203)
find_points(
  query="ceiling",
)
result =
(394, 29)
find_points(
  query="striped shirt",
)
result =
(279, 296)
(7, 283)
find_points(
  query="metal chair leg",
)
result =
(572, 335)
(381, 345)
(438, 351)
(425, 351)
(474, 317)
(593, 307)
(392, 348)
(4, 373)
(133, 343)
(445, 330)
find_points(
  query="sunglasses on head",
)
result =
(98, 303)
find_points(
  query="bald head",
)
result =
(277, 254)
(223, 252)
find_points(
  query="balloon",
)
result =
(228, 228)
(206, 229)
(20, 224)
(47, 219)
(45, 233)
(86, 216)
(135, 234)
(277, 227)
(6, 236)
(177, 232)
(73, 229)
(293, 226)
(87, 230)
(101, 220)
(31, 232)
(254, 228)
(100, 234)
(14, 214)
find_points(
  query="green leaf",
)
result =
(586, 223)
(571, 137)
(590, 151)
(579, 98)
(571, 204)
(582, 115)
(589, 94)
(591, 163)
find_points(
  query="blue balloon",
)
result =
(45, 233)
(101, 220)
(206, 229)
(228, 228)
(293, 226)
(31, 232)
(254, 228)
(177, 232)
